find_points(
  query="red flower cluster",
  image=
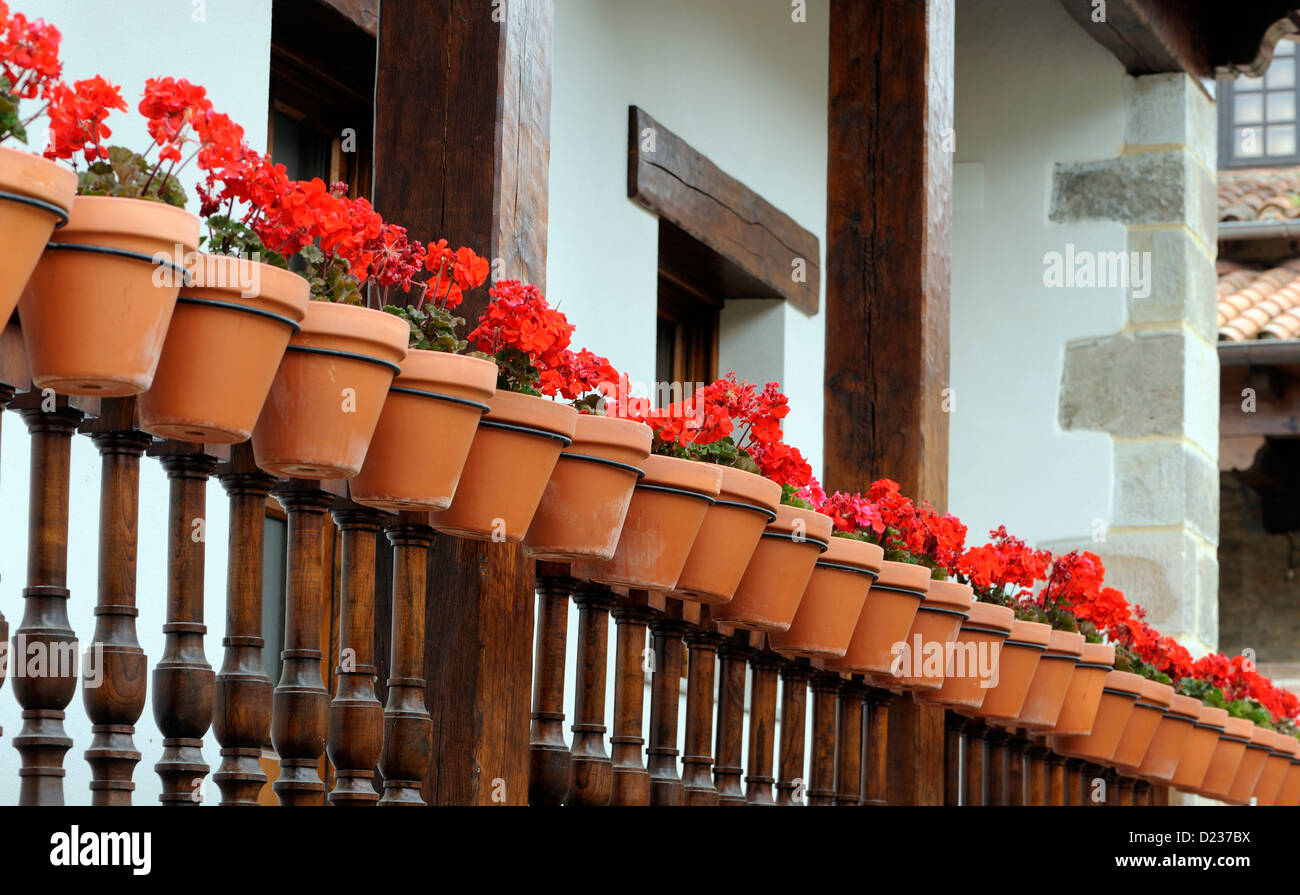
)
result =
(919, 530)
(851, 513)
(519, 317)
(29, 54)
(77, 116)
(455, 272)
(1006, 562)
(579, 374)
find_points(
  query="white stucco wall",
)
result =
(1032, 89)
(127, 41)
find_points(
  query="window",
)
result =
(690, 300)
(1257, 116)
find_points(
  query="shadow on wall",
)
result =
(1259, 573)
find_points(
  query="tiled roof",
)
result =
(1259, 194)
(1258, 302)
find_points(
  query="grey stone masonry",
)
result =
(1154, 385)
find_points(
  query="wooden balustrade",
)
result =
(727, 770)
(825, 686)
(995, 747)
(791, 787)
(1014, 778)
(975, 763)
(875, 768)
(702, 643)
(667, 628)
(593, 774)
(953, 725)
(763, 668)
(550, 765)
(631, 779)
(848, 743)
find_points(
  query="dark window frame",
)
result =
(1228, 91)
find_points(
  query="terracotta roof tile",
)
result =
(1259, 302)
(1259, 194)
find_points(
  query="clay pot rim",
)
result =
(383, 335)
(1156, 692)
(26, 170)
(610, 432)
(1262, 736)
(140, 218)
(990, 615)
(1066, 642)
(1097, 654)
(1240, 728)
(688, 475)
(904, 576)
(747, 487)
(1034, 633)
(852, 552)
(1209, 716)
(1124, 681)
(1188, 707)
(816, 526)
(287, 292)
(949, 595)
(530, 411)
(1287, 745)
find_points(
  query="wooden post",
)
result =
(848, 743)
(953, 725)
(727, 769)
(408, 727)
(975, 763)
(1123, 791)
(1035, 773)
(697, 761)
(995, 743)
(1075, 782)
(241, 718)
(471, 167)
(631, 785)
(821, 763)
(592, 768)
(791, 787)
(666, 787)
(45, 629)
(183, 681)
(1055, 778)
(1014, 789)
(115, 705)
(356, 719)
(876, 763)
(888, 225)
(551, 766)
(763, 667)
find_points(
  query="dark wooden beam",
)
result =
(462, 111)
(750, 244)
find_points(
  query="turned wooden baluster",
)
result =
(668, 627)
(763, 668)
(550, 774)
(115, 705)
(1055, 778)
(1074, 781)
(727, 770)
(13, 375)
(1142, 793)
(875, 768)
(974, 764)
(697, 761)
(591, 767)
(848, 740)
(356, 719)
(995, 743)
(1035, 773)
(953, 725)
(183, 681)
(821, 763)
(631, 784)
(791, 787)
(45, 630)
(408, 727)
(1014, 789)
(6, 395)
(241, 718)
(1123, 791)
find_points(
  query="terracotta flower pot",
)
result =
(1252, 764)
(832, 602)
(35, 196)
(227, 336)
(1148, 713)
(667, 509)
(586, 499)
(1281, 753)
(329, 391)
(938, 619)
(1199, 748)
(1017, 661)
(1042, 705)
(1289, 792)
(96, 309)
(435, 403)
(1083, 696)
(1166, 749)
(1225, 760)
(775, 579)
(1119, 695)
(515, 449)
(732, 527)
(972, 667)
(886, 617)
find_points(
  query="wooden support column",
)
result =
(763, 667)
(875, 768)
(550, 765)
(975, 764)
(995, 743)
(1123, 791)
(1014, 789)
(631, 784)
(241, 718)
(471, 167)
(115, 705)
(791, 787)
(592, 768)
(1055, 780)
(1035, 773)
(953, 725)
(697, 761)
(183, 682)
(1142, 793)
(727, 769)
(356, 719)
(45, 630)
(1074, 781)
(668, 626)
(821, 762)
(408, 726)
(888, 226)
(848, 743)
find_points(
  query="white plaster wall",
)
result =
(1032, 89)
(127, 41)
